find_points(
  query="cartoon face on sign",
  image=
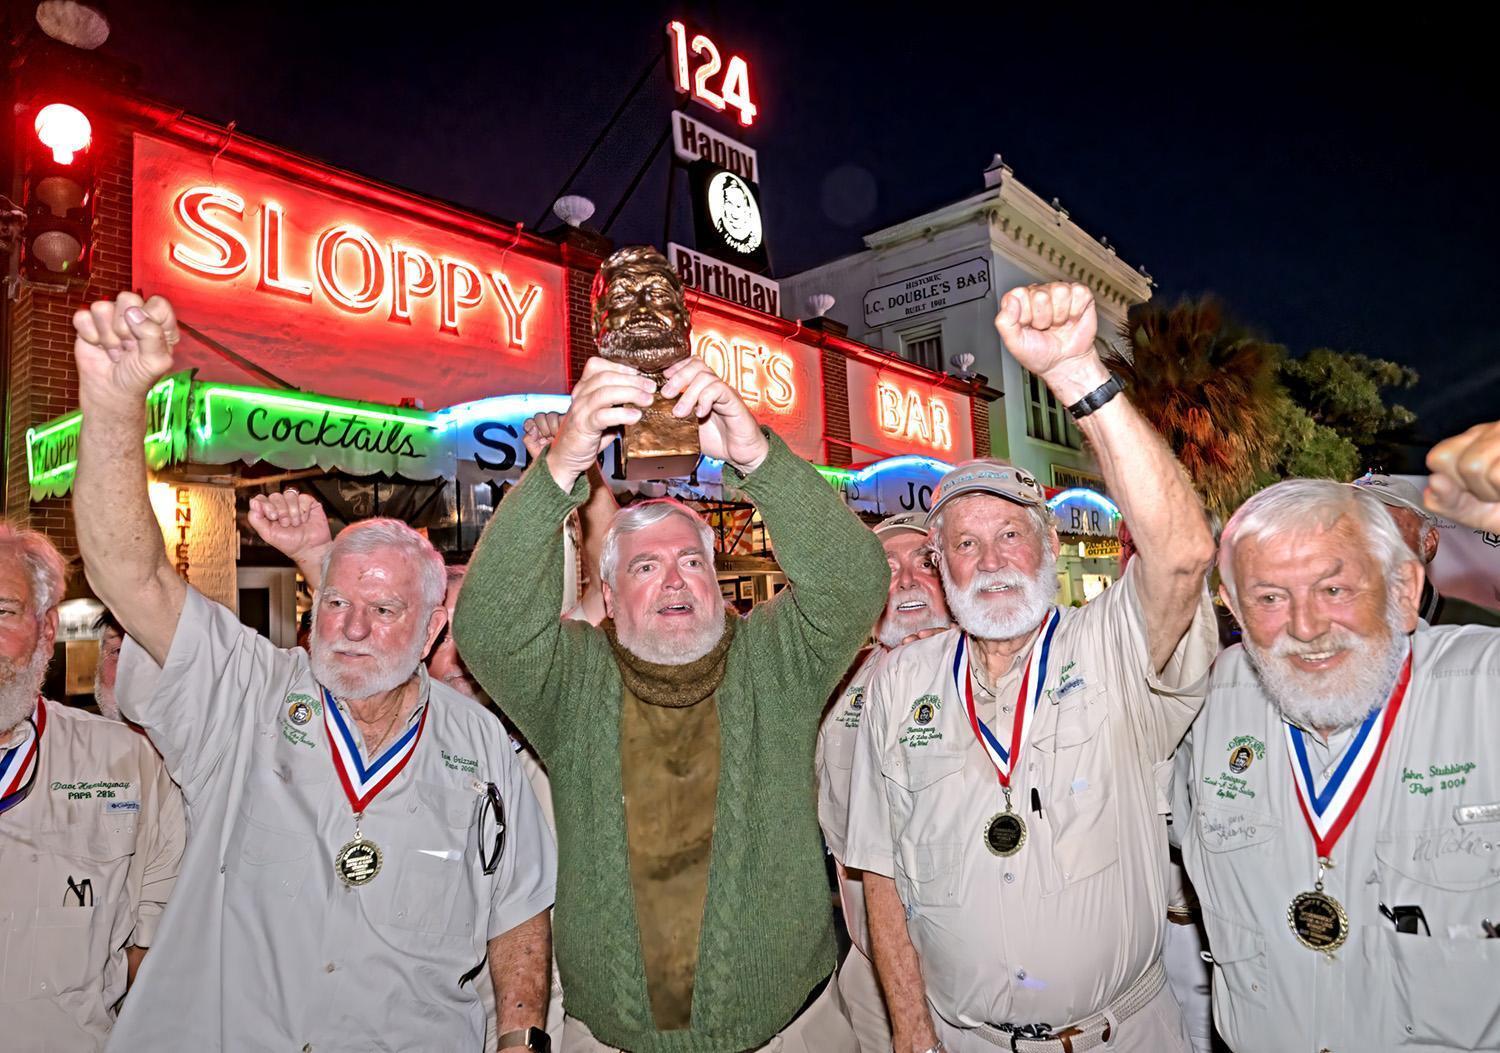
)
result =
(734, 212)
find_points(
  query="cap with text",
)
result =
(988, 475)
(915, 522)
(1389, 490)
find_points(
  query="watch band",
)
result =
(1096, 398)
(532, 1038)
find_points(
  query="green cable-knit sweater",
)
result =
(767, 936)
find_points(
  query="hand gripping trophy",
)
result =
(641, 320)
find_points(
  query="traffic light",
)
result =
(58, 196)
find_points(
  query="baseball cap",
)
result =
(988, 475)
(1398, 493)
(915, 522)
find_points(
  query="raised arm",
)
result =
(1050, 329)
(122, 349)
(294, 524)
(594, 518)
(507, 623)
(838, 571)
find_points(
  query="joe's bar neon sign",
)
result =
(344, 265)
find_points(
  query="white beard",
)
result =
(20, 685)
(1337, 699)
(390, 672)
(104, 697)
(1012, 614)
(896, 626)
(674, 649)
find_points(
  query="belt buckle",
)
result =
(1027, 1033)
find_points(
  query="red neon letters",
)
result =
(734, 90)
(906, 415)
(345, 265)
(763, 377)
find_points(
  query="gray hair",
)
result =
(44, 565)
(638, 517)
(1041, 518)
(373, 535)
(1304, 505)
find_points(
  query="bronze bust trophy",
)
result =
(641, 320)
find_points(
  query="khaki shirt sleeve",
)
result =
(526, 880)
(204, 698)
(164, 845)
(869, 842)
(1160, 706)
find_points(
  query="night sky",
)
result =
(1331, 182)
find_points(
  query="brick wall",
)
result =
(979, 414)
(43, 380)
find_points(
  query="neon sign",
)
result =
(734, 89)
(344, 264)
(905, 414)
(762, 376)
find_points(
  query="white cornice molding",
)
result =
(1036, 237)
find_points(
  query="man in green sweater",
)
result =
(692, 903)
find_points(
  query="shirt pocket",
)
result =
(441, 865)
(73, 941)
(271, 848)
(1078, 772)
(926, 794)
(1241, 973)
(1438, 990)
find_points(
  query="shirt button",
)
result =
(1020, 974)
(307, 1047)
(330, 967)
(222, 868)
(1009, 877)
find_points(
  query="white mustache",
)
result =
(990, 579)
(1333, 641)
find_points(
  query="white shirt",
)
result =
(264, 948)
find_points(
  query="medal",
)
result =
(1317, 919)
(358, 861)
(20, 763)
(1005, 833)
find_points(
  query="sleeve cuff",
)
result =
(778, 458)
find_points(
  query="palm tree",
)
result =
(1211, 389)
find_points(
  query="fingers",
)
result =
(1080, 299)
(160, 310)
(83, 324)
(544, 424)
(1041, 306)
(700, 395)
(1470, 461)
(149, 339)
(288, 508)
(596, 365)
(103, 312)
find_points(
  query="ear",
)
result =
(435, 622)
(1429, 546)
(1234, 608)
(609, 601)
(1054, 540)
(1407, 586)
(48, 630)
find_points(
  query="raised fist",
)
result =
(1465, 481)
(1049, 328)
(292, 523)
(123, 348)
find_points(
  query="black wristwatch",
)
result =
(533, 1038)
(1096, 398)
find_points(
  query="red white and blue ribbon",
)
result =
(1329, 808)
(19, 763)
(1005, 756)
(363, 783)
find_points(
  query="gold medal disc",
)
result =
(1005, 834)
(1318, 921)
(357, 862)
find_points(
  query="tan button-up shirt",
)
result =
(1427, 835)
(87, 862)
(265, 948)
(1059, 930)
(834, 761)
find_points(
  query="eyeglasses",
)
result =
(491, 825)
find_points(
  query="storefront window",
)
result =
(1046, 418)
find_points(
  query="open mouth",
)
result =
(999, 588)
(911, 605)
(675, 609)
(1315, 659)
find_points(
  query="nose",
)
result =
(990, 559)
(356, 624)
(904, 578)
(1307, 621)
(672, 578)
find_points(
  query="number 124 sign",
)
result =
(695, 65)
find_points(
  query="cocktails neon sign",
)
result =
(344, 265)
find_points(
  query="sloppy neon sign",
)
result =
(762, 376)
(905, 414)
(345, 266)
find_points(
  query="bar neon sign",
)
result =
(905, 414)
